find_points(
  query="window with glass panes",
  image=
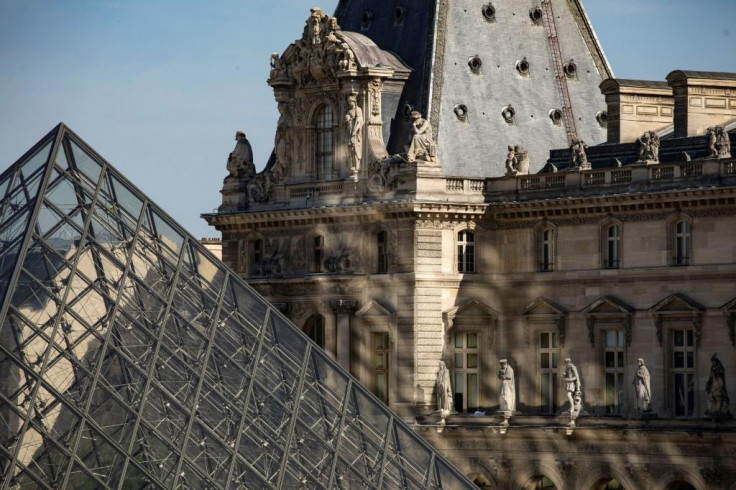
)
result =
(317, 253)
(546, 250)
(382, 255)
(466, 372)
(315, 329)
(465, 252)
(325, 151)
(613, 364)
(613, 247)
(380, 365)
(683, 372)
(682, 243)
(548, 355)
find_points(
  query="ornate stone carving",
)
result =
(573, 387)
(354, 134)
(649, 148)
(339, 262)
(517, 161)
(282, 145)
(578, 157)
(719, 143)
(240, 161)
(422, 145)
(444, 390)
(507, 388)
(715, 388)
(318, 56)
(642, 388)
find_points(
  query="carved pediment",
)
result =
(470, 310)
(608, 306)
(543, 307)
(729, 307)
(374, 309)
(677, 304)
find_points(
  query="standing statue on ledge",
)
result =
(353, 129)
(444, 390)
(719, 143)
(511, 162)
(240, 162)
(649, 148)
(642, 388)
(578, 157)
(421, 146)
(573, 387)
(506, 392)
(718, 401)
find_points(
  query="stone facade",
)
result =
(393, 266)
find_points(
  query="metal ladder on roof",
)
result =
(560, 77)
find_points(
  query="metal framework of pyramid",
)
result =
(130, 357)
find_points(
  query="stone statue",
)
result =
(649, 148)
(578, 157)
(573, 386)
(642, 388)
(281, 144)
(354, 132)
(240, 162)
(277, 66)
(715, 388)
(506, 392)
(719, 143)
(421, 146)
(522, 160)
(346, 57)
(444, 390)
(511, 162)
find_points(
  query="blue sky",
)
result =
(159, 88)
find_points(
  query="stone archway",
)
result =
(539, 482)
(679, 485)
(608, 484)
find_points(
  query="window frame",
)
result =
(676, 238)
(618, 370)
(385, 351)
(317, 254)
(673, 371)
(382, 252)
(607, 261)
(320, 326)
(325, 134)
(552, 371)
(465, 251)
(464, 350)
(545, 238)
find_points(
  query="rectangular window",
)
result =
(682, 243)
(380, 365)
(465, 252)
(546, 251)
(317, 253)
(683, 372)
(466, 372)
(382, 255)
(548, 374)
(613, 364)
(613, 247)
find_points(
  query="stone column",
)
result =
(343, 308)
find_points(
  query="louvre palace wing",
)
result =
(131, 358)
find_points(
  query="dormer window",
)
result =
(324, 143)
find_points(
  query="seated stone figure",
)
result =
(421, 146)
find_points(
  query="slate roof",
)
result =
(437, 40)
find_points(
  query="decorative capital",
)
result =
(344, 305)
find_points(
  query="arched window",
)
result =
(612, 247)
(681, 254)
(465, 251)
(539, 483)
(381, 245)
(324, 143)
(318, 254)
(315, 329)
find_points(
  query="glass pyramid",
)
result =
(130, 357)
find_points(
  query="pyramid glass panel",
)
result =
(130, 357)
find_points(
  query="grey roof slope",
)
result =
(130, 357)
(438, 38)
